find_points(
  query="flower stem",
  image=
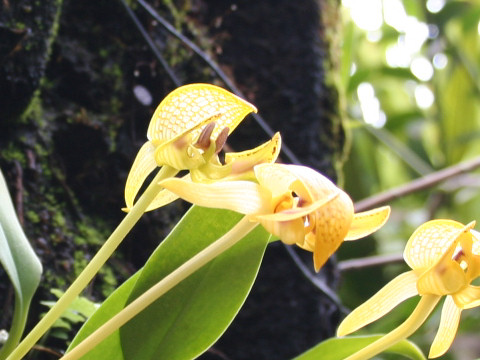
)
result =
(414, 321)
(242, 228)
(93, 266)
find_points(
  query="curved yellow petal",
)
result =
(143, 165)
(298, 212)
(318, 185)
(244, 197)
(243, 162)
(476, 242)
(180, 154)
(189, 106)
(467, 298)
(448, 328)
(431, 240)
(332, 222)
(278, 179)
(447, 278)
(290, 232)
(399, 289)
(367, 222)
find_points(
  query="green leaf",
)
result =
(20, 263)
(340, 348)
(203, 305)
(187, 320)
(110, 348)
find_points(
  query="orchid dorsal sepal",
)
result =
(187, 107)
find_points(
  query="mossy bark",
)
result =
(71, 125)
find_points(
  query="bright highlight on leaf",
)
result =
(293, 202)
(187, 131)
(445, 258)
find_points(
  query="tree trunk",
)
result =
(71, 125)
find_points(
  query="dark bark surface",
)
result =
(70, 126)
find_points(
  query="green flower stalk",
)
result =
(238, 232)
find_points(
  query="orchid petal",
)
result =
(448, 328)
(189, 106)
(431, 240)
(367, 222)
(298, 212)
(399, 289)
(318, 186)
(279, 180)
(476, 242)
(447, 278)
(143, 165)
(468, 298)
(289, 232)
(243, 162)
(244, 197)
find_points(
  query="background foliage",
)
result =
(410, 75)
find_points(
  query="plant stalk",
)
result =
(93, 266)
(242, 228)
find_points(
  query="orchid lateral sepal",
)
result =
(421, 312)
(395, 292)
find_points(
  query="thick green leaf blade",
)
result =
(110, 348)
(340, 348)
(20, 263)
(188, 319)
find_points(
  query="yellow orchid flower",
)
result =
(295, 203)
(187, 131)
(444, 256)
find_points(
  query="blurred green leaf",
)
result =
(20, 263)
(459, 113)
(78, 311)
(187, 320)
(340, 348)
